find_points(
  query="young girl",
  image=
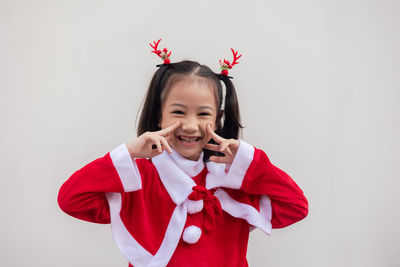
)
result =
(174, 198)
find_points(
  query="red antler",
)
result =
(235, 58)
(155, 46)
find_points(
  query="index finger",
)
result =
(169, 129)
(214, 136)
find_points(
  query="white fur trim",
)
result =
(216, 175)
(127, 169)
(190, 167)
(191, 234)
(128, 246)
(171, 238)
(247, 212)
(240, 164)
(194, 206)
(132, 250)
(178, 184)
(266, 207)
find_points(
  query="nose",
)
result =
(190, 125)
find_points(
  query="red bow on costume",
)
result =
(212, 206)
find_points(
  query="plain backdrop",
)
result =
(318, 86)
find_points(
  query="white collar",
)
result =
(175, 172)
(190, 167)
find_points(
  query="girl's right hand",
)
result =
(142, 147)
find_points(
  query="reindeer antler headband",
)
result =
(225, 65)
(162, 54)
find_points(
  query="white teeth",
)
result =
(189, 140)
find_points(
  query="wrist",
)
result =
(131, 150)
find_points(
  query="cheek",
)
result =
(165, 121)
(211, 121)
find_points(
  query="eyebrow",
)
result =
(183, 106)
(179, 105)
(206, 107)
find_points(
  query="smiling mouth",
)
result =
(188, 139)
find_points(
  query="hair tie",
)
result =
(167, 66)
(221, 76)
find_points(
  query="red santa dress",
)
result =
(170, 211)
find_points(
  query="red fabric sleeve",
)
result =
(83, 194)
(288, 202)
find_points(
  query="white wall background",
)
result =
(318, 86)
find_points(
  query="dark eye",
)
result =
(204, 114)
(178, 112)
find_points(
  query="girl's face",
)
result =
(193, 104)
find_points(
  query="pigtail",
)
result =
(151, 111)
(232, 125)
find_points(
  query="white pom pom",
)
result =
(194, 206)
(191, 234)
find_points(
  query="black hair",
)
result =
(167, 75)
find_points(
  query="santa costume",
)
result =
(170, 211)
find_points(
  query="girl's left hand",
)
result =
(227, 146)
